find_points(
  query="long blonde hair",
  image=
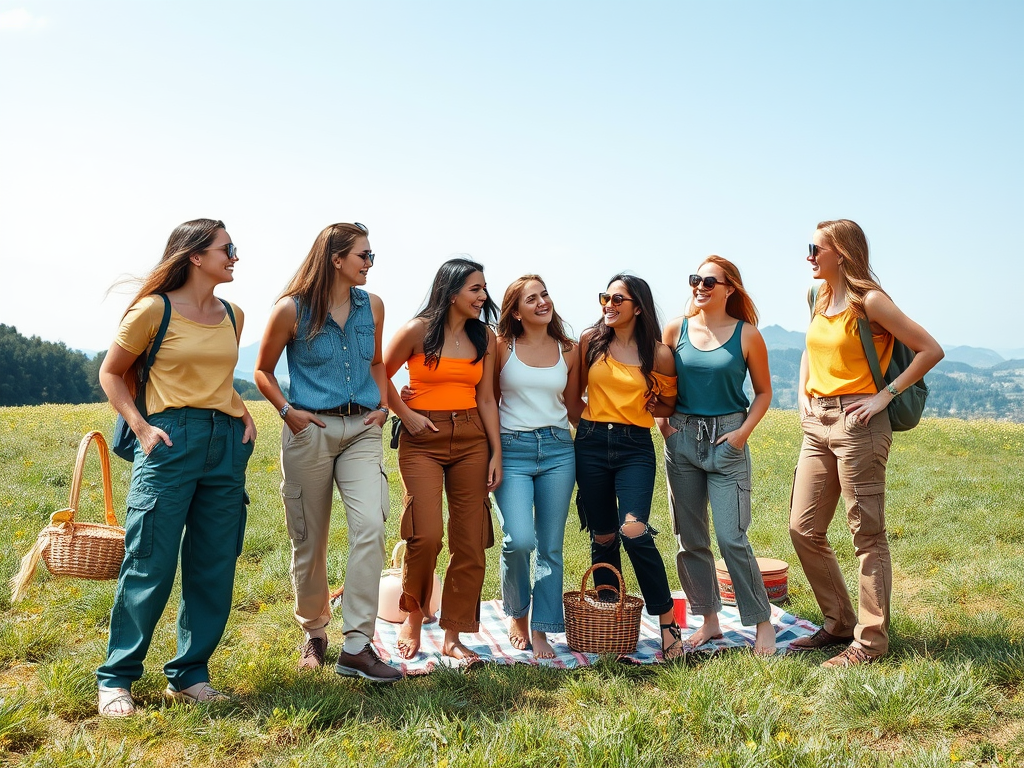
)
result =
(739, 304)
(847, 239)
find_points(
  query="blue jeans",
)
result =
(539, 471)
(615, 462)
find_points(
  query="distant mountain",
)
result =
(247, 364)
(777, 337)
(979, 357)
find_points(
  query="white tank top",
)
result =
(531, 398)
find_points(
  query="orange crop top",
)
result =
(617, 392)
(448, 386)
(836, 364)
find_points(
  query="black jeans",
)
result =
(615, 468)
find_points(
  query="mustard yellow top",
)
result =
(835, 358)
(618, 393)
(448, 386)
(195, 365)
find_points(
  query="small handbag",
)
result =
(391, 590)
(595, 626)
(72, 548)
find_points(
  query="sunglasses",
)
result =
(231, 248)
(814, 250)
(709, 282)
(368, 257)
(614, 299)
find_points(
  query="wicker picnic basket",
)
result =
(72, 548)
(593, 626)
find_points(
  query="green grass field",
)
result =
(950, 692)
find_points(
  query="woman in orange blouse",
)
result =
(449, 437)
(627, 373)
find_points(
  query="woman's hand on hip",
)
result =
(804, 404)
(666, 428)
(737, 439)
(417, 423)
(297, 420)
(865, 410)
(376, 416)
(149, 436)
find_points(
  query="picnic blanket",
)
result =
(493, 645)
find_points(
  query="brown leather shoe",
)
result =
(312, 653)
(366, 664)
(851, 656)
(820, 639)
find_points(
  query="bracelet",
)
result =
(891, 389)
(284, 410)
(385, 410)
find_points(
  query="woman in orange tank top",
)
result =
(846, 440)
(449, 438)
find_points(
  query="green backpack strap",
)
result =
(864, 328)
(231, 314)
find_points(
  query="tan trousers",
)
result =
(349, 454)
(456, 459)
(840, 455)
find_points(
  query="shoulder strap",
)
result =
(158, 339)
(864, 328)
(682, 334)
(812, 298)
(231, 314)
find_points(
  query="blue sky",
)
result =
(570, 139)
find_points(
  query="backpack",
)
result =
(906, 408)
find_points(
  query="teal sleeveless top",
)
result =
(711, 383)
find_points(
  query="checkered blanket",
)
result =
(492, 643)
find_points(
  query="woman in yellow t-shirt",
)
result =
(627, 373)
(846, 440)
(187, 493)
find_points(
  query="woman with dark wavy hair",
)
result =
(628, 374)
(187, 495)
(449, 439)
(330, 329)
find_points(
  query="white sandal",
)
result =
(200, 693)
(122, 697)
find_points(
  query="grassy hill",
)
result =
(950, 691)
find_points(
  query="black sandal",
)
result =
(676, 649)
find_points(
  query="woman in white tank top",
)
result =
(536, 384)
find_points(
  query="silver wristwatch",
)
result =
(284, 410)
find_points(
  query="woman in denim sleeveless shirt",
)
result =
(332, 329)
(706, 455)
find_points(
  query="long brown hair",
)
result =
(739, 304)
(171, 273)
(313, 280)
(847, 239)
(510, 327)
(646, 331)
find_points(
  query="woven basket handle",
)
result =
(620, 605)
(68, 515)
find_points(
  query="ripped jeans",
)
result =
(615, 468)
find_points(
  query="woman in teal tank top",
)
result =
(706, 456)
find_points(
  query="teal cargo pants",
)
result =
(186, 499)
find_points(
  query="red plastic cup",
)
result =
(679, 607)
